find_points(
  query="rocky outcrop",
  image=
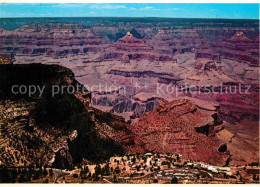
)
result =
(134, 48)
(163, 43)
(241, 142)
(125, 59)
(162, 77)
(239, 36)
(131, 44)
(36, 127)
(241, 48)
(205, 65)
(183, 127)
(137, 73)
(208, 53)
(236, 109)
(124, 106)
(138, 108)
(5, 61)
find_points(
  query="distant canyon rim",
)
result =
(131, 66)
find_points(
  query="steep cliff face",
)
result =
(207, 52)
(50, 39)
(192, 130)
(34, 128)
(180, 126)
(236, 109)
(125, 106)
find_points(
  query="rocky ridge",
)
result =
(192, 129)
(34, 129)
(50, 39)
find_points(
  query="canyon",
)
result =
(189, 86)
(65, 130)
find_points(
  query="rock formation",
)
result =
(175, 41)
(241, 48)
(134, 48)
(205, 64)
(207, 52)
(157, 51)
(5, 61)
(34, 128)
(163, 43)
(50, 39)
(193, 130)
